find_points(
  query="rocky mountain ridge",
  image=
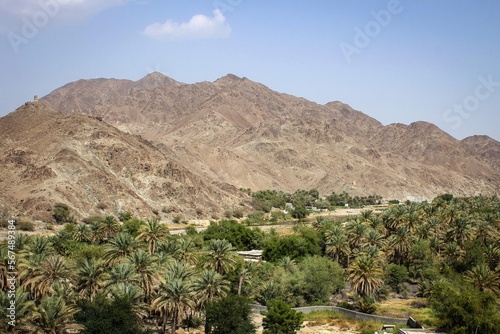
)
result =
(220, 136)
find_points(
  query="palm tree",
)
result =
(174, 300)
(220, 256)
(485, 231)
(210, 286)
(366, 275)
(286, 263)
(55, 316)
(81, 233)
(134, 296)
(42, 279)
(178, 270)
(186, 250)
(91, 278)
(268, 290)
(4, 265)
(460, 230)
(401, 242)
(144, 266)
(248, 268)
(336, 242)
(375, 238)
(121, 246)
(153, 233)
(109, 227)
(38, 249)
(22, 240)
(356, 231)
(484, 279)
(25, 312)
(122, 273)
(95, 232)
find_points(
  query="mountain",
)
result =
(245, 134)
(47, 157)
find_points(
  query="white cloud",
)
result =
(198, 27)
(14, 13)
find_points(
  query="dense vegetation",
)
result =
(136, 270)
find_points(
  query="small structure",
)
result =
(251, 256)
(418, 331)
(35, 100)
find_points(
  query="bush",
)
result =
(132, 226)
(281, 318)
(238, 214)
(101, 206)
(395, 276)
(239, 235)
(124, 216)
(229, 315)
(62, 214)
(25, 225)
(107, 316)
(92, 219)
(315, 281)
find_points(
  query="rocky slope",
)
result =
(245, 134)
(48, 157)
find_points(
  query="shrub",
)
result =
(92, 219)
(61, 213)
(101, 206)
(281, 318)
(229, 315)
(124, 216)
(238, 214)
(25, 225)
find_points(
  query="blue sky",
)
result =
(395, 60)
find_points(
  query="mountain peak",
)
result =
(156, 79)
(229, 79)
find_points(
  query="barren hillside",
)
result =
(245, 134)
(49, 157)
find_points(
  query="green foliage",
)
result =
(240, 236)
(255, 218)
(229, 315)
(63, 243)
(238, 213)
(299, 211)
(306, 242)
(107, 316)
(393, 201)
(462, 309)
(124, 216)
(92, 219)
(265, 200)
(132, 226)
(281, 318)
(395, 276)
(444, 197)
(61, 214)
(366, 304)
(356, 201)
(25, 225)
(314, 281)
